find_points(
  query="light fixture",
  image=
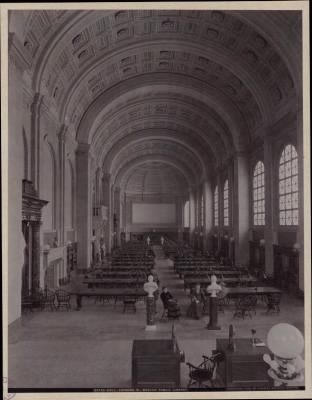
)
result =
(46, 248)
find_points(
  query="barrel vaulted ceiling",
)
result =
(181, 89)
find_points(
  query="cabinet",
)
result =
(244, 367)
(156, 364)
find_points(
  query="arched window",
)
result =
(216, 206)
(288, 186)
(226, 203)
(202, 211)
(187, 214)
(258, 194)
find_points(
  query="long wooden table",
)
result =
(126, 268)
(257, 291)
(116, 294)
(122, 282)
(201, 268)
(118, 274)
(189, 283)
(198, 274)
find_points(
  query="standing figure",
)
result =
(148, 240)
(103, 251)
(196, 306)
(162, 240)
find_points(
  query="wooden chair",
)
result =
(273, 302)
(244, 306)
(27, 302)
(63, 299)
(129, 303)
(48, 300)
(204, 372)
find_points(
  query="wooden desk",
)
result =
(155, 364)
(189, 283)
(257, 291)
(118, 282)
(116, 294)
(244, 367)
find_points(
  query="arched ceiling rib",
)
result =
(154, 178)
(125, 173)
(189, 121)
(208, 80)
(174, 153)
(101, 33)
(199, 158)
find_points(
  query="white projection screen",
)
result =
(162, 213)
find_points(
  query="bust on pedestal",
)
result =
(150, 287)
(213, 289)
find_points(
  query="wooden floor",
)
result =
(92, 348)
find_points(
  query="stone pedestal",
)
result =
(150, 314)
(213, 313)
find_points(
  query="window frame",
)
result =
(285, 226)
(258, 226)
(226, 181)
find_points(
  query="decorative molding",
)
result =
(17, 54)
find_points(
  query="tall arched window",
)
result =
(216, 206)
(288, 186)
(202, 211)
(226, 203)
(258, 194)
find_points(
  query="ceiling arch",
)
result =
(174, 152)
(153, 178)
(225, 111)
(98, 34)
(205, 82)
(201, 162)
(120, 177)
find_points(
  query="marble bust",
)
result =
(150, 286)
(214, 288)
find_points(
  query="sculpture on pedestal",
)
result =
(213, 289)
(150, 287)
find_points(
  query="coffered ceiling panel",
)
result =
(188, 87)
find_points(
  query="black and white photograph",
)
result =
(156, 200)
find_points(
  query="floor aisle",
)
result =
(92, 348)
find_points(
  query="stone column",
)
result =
(35, 140)
(179, 216)
(106, 198)
(84, 205)
(192, 217)
(241, 208)
(35, 273)
(61, 150)
(18, 62)
(117, 205)
(269, 205)
(208, 215)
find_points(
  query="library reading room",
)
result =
(155, 214)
